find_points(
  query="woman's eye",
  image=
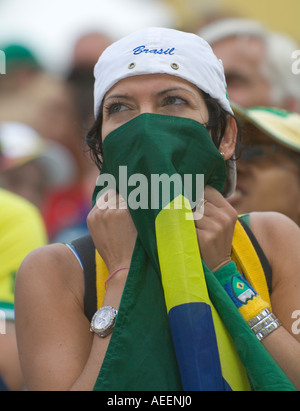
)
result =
(173, 100)
(116, 108)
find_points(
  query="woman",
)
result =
(151, 81)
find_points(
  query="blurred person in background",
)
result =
(268, 167)
(258, 68)
(35, 168)
(257, 63)
(46, 103)
(53, 113)
(22, 66)
(86, 52)
(80, 79)
(22, 230)
(31, 166)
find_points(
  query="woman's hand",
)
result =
(112, 230)
(215, 229)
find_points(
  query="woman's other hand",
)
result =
(112, 230)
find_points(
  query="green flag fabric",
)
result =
(176, 327)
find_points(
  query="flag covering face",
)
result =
(168, 334)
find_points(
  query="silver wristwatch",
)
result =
(103, 321)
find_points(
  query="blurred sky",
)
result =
(50, 27)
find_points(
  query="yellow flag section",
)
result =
(184, 281)
(247, 260)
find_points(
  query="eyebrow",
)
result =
(175, 89)
(160, 93)
(113, 96)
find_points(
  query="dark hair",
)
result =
(216, 125)
(94, 140)
(217, 120)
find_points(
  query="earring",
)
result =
(222, 154)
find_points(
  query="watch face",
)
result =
(104, 318)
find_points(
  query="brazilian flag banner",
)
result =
(176, 327)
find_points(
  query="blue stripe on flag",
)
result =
(196, 347)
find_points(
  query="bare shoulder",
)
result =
(52, 331)
(53, 268)
(277, 234)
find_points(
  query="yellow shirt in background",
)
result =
(21, 230)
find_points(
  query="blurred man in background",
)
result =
(86, 52)
(257, 63)
(258, 67)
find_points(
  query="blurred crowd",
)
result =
(50, 115)
(47, 176)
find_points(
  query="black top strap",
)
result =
(85, 249)
(261, 255)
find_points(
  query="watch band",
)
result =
(264, 324)
(264, 332)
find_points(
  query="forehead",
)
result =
(151, 83)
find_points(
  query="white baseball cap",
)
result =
(160, 50)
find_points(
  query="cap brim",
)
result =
(282, 126)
